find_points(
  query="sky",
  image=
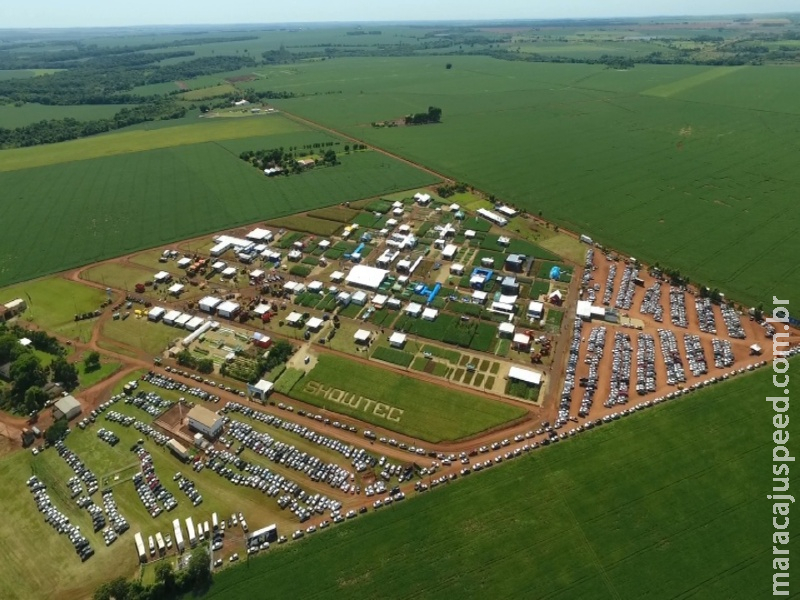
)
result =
(113, 13)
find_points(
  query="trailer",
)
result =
(140, 547)
(162, 547)
(199, 531)
(587, 240)
(214, 521)
(206, 530)
(191, 531)
(152, 545)
(176, 526)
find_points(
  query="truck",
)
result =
(137, 538)
(152, 545)
(162, 548)
(176, 526)
(191, 531)
(206, 530)
(586, 240)
(214, 521)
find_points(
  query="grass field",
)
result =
(426, 412)
(95, 209)
(106, 370)
(666, 504)
(712, 154)
(12, 116)
(53, 303)
(151, 337)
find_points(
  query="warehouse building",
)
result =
(67, 408)
(206, 422)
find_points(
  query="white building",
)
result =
(209, 304)
(366, 277)
(228, 309)
(526, 375)
(457, 269)
(204, 421)
(430, 314)
(162, 277)
(506, 330)
(414, 309)
(422, 199)
(169, 318)
(362, 336)
(260, 235)
(449, 251)
(176, 289)
(314, 323)
(535, 309)
(359, 298)
(156, 313)
(397, 340)
(294, 319)
(493, 217)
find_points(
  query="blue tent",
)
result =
(555, 273)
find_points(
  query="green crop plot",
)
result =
(393, 356)
(94, 209)
(12, 116)
(621, 512)
(398, 402)
(687, 178)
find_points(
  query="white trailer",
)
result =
(162, 547)
(140, 547)
(191, 531)
(176, 526)
(586, 240)
(199, 531)
(152, 545)
(206, 530)
(214, 521)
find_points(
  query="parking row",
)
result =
(620, 370)
(83, 473)
(188, 487)
(672, 357)
(108, 436)
(723, 353)
(695, 355)
(58, 520)
(155, 497)
(594, 352)
(732, 322)
(569, 377)
(677, 307)
(119, 524)
(627, 288)
(149, 402)
(645, 364)
(609, 289)
(705, 315)
(651, 303)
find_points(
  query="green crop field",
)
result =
(688, 177)
(410, 406)
(666, 504)
(12, 116)
(94, 209)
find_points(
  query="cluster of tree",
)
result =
(91, 362)
(434, 115)
(169, 584)
(287, 158)
(60, 130)
(448, 189)
(674, 275)
(355, 148)
(186, 359)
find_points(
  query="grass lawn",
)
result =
(106, 370)
(53, 303)
(621, 512)
(151, 337)
(422, 409)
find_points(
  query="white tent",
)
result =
(176, 289)
(506, 329)
(314, 323)
(294, 318)
(526, 375)
(362, 336)
(429, 314)
(397, 339)
(366, 277)
(414, 309)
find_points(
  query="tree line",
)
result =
(434, 115)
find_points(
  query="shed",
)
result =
(67, 408)
(362, 336)
(504, 240)
(314, 323)
(556, 298)
(261, 340)
(156, 313)
(193, 323)
(457, 269)
(182, 320)
(397, 339)
(259, 235)
(359, 298)
(393, 303)
(479, 297)
(337, 276)
(522, 341)
(184, 262)
(228, 309)
(379, 300)
(535, 309)
(525, 375)
(506, 330)
(209, 304)
(343, 298)
(176, 289)
(219, 265)
(422, 199)
(315, 286)
(294, 319)
(262, 309)
(470, 234)
(449, 251)
(257, 274)
(324, 244)
(430, 314)
(229, 272)
(414, 309)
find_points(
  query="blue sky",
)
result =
(90, 13)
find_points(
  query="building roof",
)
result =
(584, 309)
(259, 234)
(194, 323)
(209, 302)
(479, 296)
(67, 404)
(362, 335)
(183, 319)
(413, 308)
(315, 323)
(359, 296)
(315, 285)
(430, 314)
(261, 309)
(522, 339)
(535, 307)
(556, 294)
(515, 258)
(397, 338)
(161, 275)
(337, 276)
(506, 327)
(156, 312)
(228, 306)
(263, 385)
(294, 317)
(176, 288)
(379, 299)
(257, 273)
(526, 375)
(367, 277)
(25, 342)
(204, 416)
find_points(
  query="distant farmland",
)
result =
(88, 210)
(687, 166)
(667, 505)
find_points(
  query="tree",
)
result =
(91, 362)
(205, 365)
(347, 147)
(64, 373)
(35, 397)
(165, 575)
(198, 572)
(434, 114)
(56, 431)
(26, 371)
(9, 347)
(448, 66)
